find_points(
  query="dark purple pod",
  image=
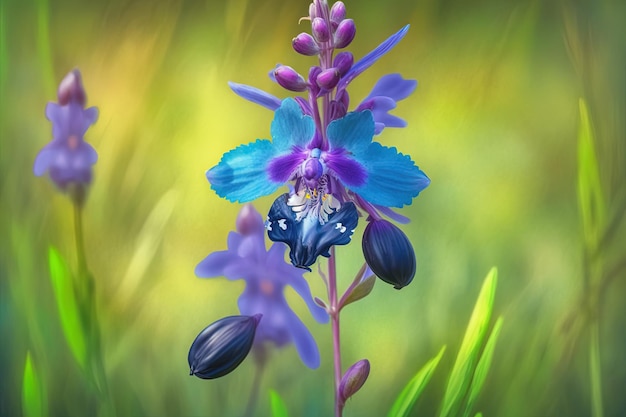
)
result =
(389, 253)
(222, 346)
(353, 379)
(304, 44)
(288, 78)
(345, 33)
(71, 89)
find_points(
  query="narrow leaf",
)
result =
(411, 392)
(362, 290)
(279, 409)
(32, 390)
(590, 198)
(69, 313)
(482, 369)
(463, 369)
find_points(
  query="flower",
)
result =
(222, 346)
(353, 379)
(266, 275)
(68, 158)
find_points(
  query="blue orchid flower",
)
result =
(266, 275)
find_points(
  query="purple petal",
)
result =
(304, 341)
(393, 86)
(282, 168)
(350, 172)
(255, 95)
(369, 59)
(43, 160)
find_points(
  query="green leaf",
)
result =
(479, 415)
(279, 409)
(32, 390)
(69, 313)
(590, 196)
(482, 369)
(411, 392)
(362, 290)
(463, 369)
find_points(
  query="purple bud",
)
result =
(338, 12)
(345, 33)
(288, 78)
(389, 253)
(222, 346)
(313, 169)
(313, 73)
(328, 78)
(312, 12)
(353, 379)
(71, 89)
(320, 29)
(249, 221)
(305, 44)
(343, 62)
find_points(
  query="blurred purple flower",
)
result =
(266, 274)
(68, 158)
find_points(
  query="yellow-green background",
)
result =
(493, 123)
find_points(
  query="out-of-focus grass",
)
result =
(492, 122)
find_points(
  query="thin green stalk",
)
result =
(595, 370)
(43, 45)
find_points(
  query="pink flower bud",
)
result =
(320, 29)
(288, 78)
(328, 78)
(353, 379)
(345, 33)
(249, 221)
(71, 89)
(305, 44)
(343, 62)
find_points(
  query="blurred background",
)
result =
(494, 124)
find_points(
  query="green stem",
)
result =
(595, 370)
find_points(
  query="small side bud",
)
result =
(389, 253)
(328, 78)
(312, 11)
(304, 44)
(222, 346)
(249, 221)
(320, 29)
(338, 12)
(343, 62)
(71, 89)
(345, 33)
(288, 78)
(353, 379)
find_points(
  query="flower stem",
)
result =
(334, 317)
(254, 390)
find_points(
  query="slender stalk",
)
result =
(254, 390)
(334, 318)
(595, 371)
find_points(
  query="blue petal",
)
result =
(241, 175)
(393, 179)
(392, 86)
(369, 59)
(353, 132)
(307, 239)
(291, 127)
(255, 95)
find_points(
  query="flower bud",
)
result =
(353, 379)
(222, 346)
(389, 253)
(304, 44)
(312, 11)
(249, 221)
(313, 73)
(328, 78)
(343, 62)
(337, 12)
(71, 89)
(320, 29)
(288, 78)
(344, 34)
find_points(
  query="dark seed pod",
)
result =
(389, 253)
(222, 346)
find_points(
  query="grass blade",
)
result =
(482, 369)
(463, 369)
(69, 313)
(411, 392)
(32, 390)
(279, 409)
